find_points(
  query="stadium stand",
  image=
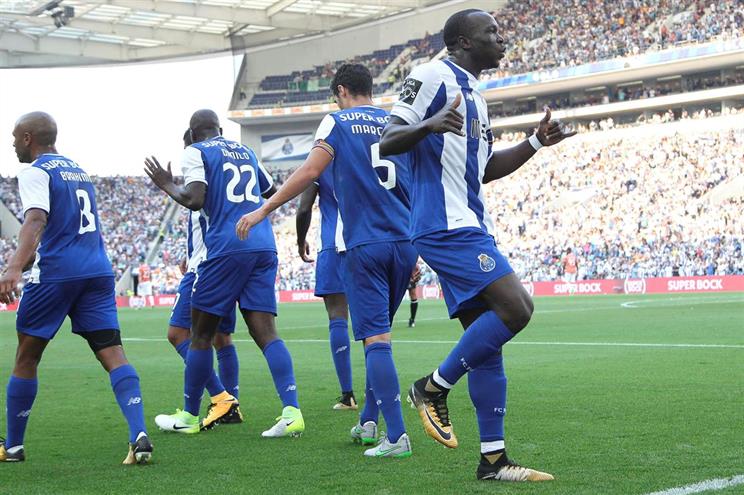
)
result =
(543, 35)
(636, 205)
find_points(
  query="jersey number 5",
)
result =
(378, 163)
(232, 186)
(87, 218)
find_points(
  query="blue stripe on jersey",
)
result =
(427, 181)
(190, 238)
(473, 136)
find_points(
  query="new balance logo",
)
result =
(134, 400)
(24, 414)
(342, 349)
(397, 398)
(291, 388)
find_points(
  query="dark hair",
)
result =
(354, 77)
(457, 25)
(187, 141)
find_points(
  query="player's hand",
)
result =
(247, 222)
(183, 266)
(550, 132)
(304, 250)
(448, 119)
(10, 288)
(416, 274)
(160, 177)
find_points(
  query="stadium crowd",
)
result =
(641, 207)
(542, 36)
(130, 210)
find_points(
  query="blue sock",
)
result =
(214, 384)
(21, 394)
(126, 386)
(487, 387)
(482, 339)
(280, 365)
(384, 380)
(370, 411)
(229, 367)
(341, 352)
(199, 367)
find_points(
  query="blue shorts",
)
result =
(466, 261)
(376, 278)
(90, 303)
(328, 273)
(181, 314)
(245, 277)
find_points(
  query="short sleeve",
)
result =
(192, 166)
(419, 90)
(325, 136)
(265, 180)
(33, 185)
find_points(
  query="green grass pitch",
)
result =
(603, 417)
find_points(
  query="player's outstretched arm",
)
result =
(299, 181)
(190, 196)
(504, 162)
(399, 137)
(304, 219)
(33, 227)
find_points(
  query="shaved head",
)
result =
(34, 133)
(41, 125)
(204, 124)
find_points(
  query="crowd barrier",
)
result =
(670, 285)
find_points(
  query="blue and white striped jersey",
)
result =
(71, 246)
(235, 180)
(447, 189)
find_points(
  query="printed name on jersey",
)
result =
(487, 263)
(410, 91)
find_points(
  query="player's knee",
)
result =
(177, 335)
(26, 365)
(222, 340)
(263, 336)
(520, 314)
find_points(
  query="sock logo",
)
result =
(24, 414)
(465, 364)
(378, 402)
(397, 398)
(501, 411)
(342, 349)
(291, 388)
(134, 400)
(187, 396)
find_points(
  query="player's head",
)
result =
(187, 141)
(351, 83)
(473, 34)
(33, 134)
(204, 124)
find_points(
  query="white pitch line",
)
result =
(703, 486)
(654, 303)
(452, 342)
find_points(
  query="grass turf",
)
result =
(604, 419)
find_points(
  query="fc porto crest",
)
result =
(487, 263)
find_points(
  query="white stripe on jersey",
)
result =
(454, 185)
(340, 244)
(196, 236)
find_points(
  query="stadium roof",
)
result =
(44, 33)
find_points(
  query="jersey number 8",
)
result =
(232, 186)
